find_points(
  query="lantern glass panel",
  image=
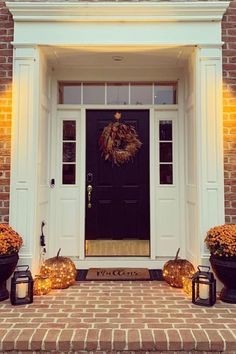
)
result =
(22, 287)
(203, 288)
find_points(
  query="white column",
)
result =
(209, 135)
(24, 149)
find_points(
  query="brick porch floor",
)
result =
(119, 317)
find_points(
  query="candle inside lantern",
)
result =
(203, 291)
(21, 290)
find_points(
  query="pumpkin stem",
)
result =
(58, 252)
(177, 254)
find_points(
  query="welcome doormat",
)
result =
(124, 274)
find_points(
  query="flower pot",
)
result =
(8, 264)
(225, 270)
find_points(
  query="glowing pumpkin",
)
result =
(175, 270)
(42, 285)
(61, 271)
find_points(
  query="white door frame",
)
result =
(59, 24)
(154, 260)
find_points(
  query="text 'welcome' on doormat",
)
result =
(123, 274)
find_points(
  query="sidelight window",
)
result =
(69, 152)
(166, 152)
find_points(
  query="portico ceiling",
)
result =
(122, 56)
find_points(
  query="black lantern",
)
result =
(22, 286)
(203, 287)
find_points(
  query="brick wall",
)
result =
(229, 74)
(229, 94)
(6, 36)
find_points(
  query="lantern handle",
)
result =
(201, 266)
(21, 266)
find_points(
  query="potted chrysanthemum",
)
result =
(221, 242)
(10, 243)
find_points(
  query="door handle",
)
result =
(89, 190)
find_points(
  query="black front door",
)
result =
(120, 194)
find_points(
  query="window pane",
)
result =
(69, 130)
(117, 94)
(68, 174)
(69, 152)
(94, 93)
(70, 93)
(165, 130)
(166, 174)
(165, 94)
(165, 152)
(141, 94)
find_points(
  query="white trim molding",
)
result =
(145, 11)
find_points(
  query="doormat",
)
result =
(116, 274)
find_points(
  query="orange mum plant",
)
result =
(221, 240)
(10, 240)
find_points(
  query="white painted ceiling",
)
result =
(131, 56)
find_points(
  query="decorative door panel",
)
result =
(120, 194)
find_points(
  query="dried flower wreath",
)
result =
(119, 142)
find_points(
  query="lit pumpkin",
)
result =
(175, 270)
(61, 271)
(187, 285)
(42, 285)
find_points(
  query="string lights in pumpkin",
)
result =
(175, 270)
(42, 285)
(119, 142)
(61, 271)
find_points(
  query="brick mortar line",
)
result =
(195, 341)
(43, 342)
(30, 340)
(167, 341)
(140, 339)
(209, 341)
(233, 334)
(224, 341)
(98, 341)
(57, 339)
(126, 340)
(85, 339)
(72, 340)
(181, 339)
(15, 340)
(2, 340)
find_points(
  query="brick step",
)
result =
(114, 317)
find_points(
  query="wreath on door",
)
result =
(119, 142)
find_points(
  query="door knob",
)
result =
(89, 190)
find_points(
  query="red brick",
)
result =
(64, 342)
(10, 338)
(23, 339)
(78, 341)
(174, 339)
(37, 339)
(50, 341)
(119, 340)
(188, 339)
(92, 340)
(216, 341)
(229, 339)
(160, 340)
(202, 342)
(134, 340)
(147, 340)
(105, 339)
